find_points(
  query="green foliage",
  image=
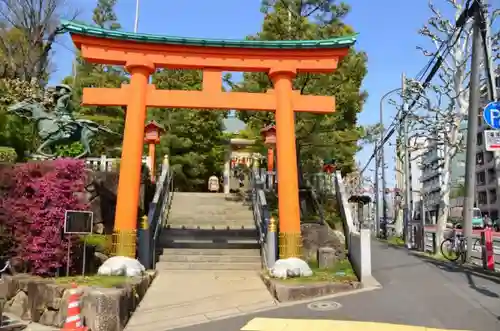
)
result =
(8, 154)
(95, 75)
(72, 150)
(101, 242)
(319, 136)
(458, 191)
(18, 133)
(396, 241)
(194, 138)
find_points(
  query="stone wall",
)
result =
(43, 301)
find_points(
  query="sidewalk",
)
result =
(178, 298)
(416, 291)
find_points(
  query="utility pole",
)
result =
(408, 207)
(376, 219)
(382, 165)
(472, 122)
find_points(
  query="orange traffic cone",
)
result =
(73, 318)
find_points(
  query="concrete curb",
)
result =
(294, 292)
(200, 319)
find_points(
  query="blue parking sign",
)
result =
(491, 115)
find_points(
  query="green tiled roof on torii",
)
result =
(92, 31)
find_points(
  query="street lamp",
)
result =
(418, 86)
(152, 133)
(382, 161)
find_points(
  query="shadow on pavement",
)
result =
(469, 271)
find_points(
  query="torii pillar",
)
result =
(125, 226)
(290, 240)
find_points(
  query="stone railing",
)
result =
(360, 254)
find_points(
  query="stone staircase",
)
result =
(207, 232)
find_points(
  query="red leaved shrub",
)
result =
(34, 199)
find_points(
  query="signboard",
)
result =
(78, 222)
(491, 115)
(492, 140)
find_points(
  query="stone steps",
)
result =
(207, 266)
(205, 258)
(207, 232)
(211, 252)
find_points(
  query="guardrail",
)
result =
(262, 218)
(430, 244)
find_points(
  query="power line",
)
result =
(438, 58)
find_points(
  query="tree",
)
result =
(318, 136)
(27, 32)
(28, 29)
(441, 118)
(194, 139)
(96, 75)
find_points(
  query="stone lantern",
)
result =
(269, 134)
(152, 133)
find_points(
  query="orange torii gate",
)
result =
(141, 54)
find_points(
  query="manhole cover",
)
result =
(324, 305)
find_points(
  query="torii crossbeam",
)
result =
(141, 54)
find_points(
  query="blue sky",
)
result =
(387, 32)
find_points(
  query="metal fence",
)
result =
(433, 247)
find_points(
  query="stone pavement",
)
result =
(179, 298)
(416, 291)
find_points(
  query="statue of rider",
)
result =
(63, 111)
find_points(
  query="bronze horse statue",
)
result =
(52, 132)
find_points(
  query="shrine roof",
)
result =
(96, 32)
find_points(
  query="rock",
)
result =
(290, 267)
(48, 317)
(98, 228)
(37, 298)
(326, 257)
(105, 314)
(101, 257)
(60, 317)
(19, 305)
(315, 236)
(46, 302)
(52, 296)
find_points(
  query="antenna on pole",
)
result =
(136, 23)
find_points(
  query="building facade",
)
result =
(432, 176)
(487, 189)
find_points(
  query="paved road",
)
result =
(416, 291)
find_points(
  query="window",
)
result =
(479, 158)
(494, 214)
(492, 195)
(489, 156)
(479, 138)
(481, 178)
(481, 198)
(491, 175)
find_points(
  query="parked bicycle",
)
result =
(455, 246)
